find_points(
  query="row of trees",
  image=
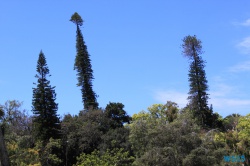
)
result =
(163, 135)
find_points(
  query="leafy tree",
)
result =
(139, 132)
(244, 127)
(82, 133)
(202, 156)
(17, 131)
(16, 122)
(244, 137)
(116, 138)
(117, 157)
(164, 156)
(70, 126)
(172, 111)
(46, 121)
(152, 138)
(231, 121)
(51, 154)
(117, 115)
(198, 96)
(83, 67)
(167, 112)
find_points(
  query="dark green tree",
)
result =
(83, 67)
(46, 121)
(198, 96)
(117, 115)
(4, 158)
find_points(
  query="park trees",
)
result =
(83, 67)
(16, 125)
(198, 96)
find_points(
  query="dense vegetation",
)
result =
(163, 135)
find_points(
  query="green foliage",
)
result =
(22, 156)
(158, 157)
(139, 132)
(171, 140)
(244, 136)
(172, 111)
(17, 133)
(244, 127)
(51, 153)
(16, 122)
(116, 138)
(81, 134)
(46, 121)
(230, 122)
(96, 129)
(70, 126)
(117, 115)
(114, 157)
(83, 67)
(198, 96)
(76, 18)
(155, 142)
(164, 113)
(199, 157)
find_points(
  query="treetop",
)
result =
(76, 18)
(191, 46)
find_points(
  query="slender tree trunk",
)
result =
(4, 159)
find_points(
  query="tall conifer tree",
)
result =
(46, 121)
(83, 67)
(198, 97)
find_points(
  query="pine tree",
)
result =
(198, 97)
(46, 121)
(83, 67)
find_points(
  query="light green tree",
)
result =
(243, 129)
(110, 157)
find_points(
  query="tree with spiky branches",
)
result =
(46, 121)
(83, 67)
(198, 96)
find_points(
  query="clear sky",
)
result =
(135, 48)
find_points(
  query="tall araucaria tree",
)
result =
(198, 96)
(83, 67)
(46, 121)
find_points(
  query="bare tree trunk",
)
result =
(4, 159)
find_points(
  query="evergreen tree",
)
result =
(83, 67)
(198, 97)
(46, 121)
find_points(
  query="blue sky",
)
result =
(135, 48)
